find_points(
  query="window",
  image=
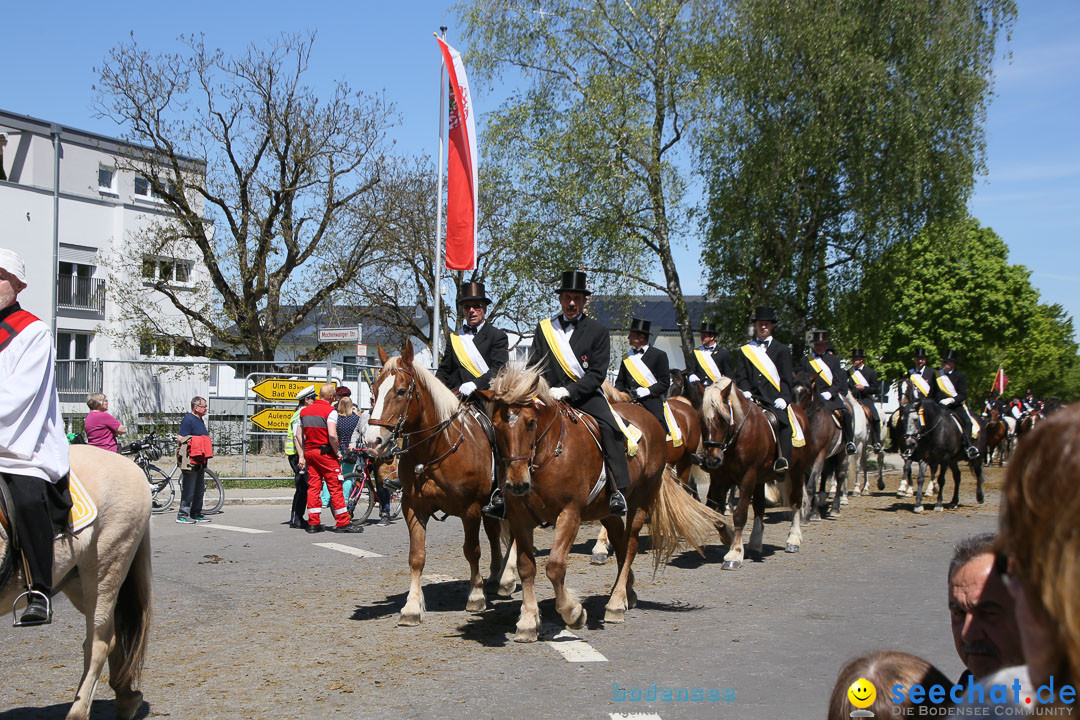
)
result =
(352, 372)
(106, 179)
(167, 269)
(158, 345)
(142, 186)
(183, 271)
(72, 345)
(149, 267)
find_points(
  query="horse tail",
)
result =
(132, 616)
(675, 516)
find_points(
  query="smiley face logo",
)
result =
(862, 693)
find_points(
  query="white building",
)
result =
(68, 210)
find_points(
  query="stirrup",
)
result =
(877, 447)
(780, 466)
(31, 594)
(496, 507)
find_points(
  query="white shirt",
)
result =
(32, 439)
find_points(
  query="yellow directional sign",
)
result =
(281, 389)
(273, 419)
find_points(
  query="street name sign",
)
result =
(345, 334)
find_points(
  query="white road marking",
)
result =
(440, 578)
(233, 528)
(574, 649)
(634, 716)
(348, 549)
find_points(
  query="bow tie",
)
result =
(763, 343)
(637, 351)
(568, 323)
(469, 330)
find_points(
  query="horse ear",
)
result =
(383, 357)
(407, 353)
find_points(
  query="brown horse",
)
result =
(824, 441)
(996, 433)
(684, 458)
(444, 465)
(740, 449)
(553, 461)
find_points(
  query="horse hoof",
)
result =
(409, 619)
(598, 559)
(791, 548)
(732, 564)
(631, 599)
(834, 515)
(980, 498)
(128, 705)
(506, 591)
(843, 500)
(615, 615)
(525, 636)
(938, 508)
(880, 485)
(578, 622)
(855, 493)
(917, 509)
(476, 606)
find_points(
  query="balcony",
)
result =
(75, 379)
(80, 293)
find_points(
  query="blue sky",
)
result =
(1030, 195)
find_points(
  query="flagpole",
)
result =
(436, 322)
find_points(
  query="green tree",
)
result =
(1045, 358)
(596, 140)
(840, 128)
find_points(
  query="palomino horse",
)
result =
(445, 465)
(931, 431)
(824, 441)
(740, 449)
(104, 569)
(553, 460)
(997, 438)
(684, 458)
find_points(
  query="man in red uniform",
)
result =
(318, 442)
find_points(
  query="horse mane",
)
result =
(519, 384)
(714, 406)
(614, 395)
(445, 402)
(806, 382)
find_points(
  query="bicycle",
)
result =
(162, 486)
(364, 492)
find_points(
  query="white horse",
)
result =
(104, 569)
(848, 472)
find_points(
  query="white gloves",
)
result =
(693, 378)
(779, 403)
(467, 389)
(559, 393)
(948, 401)
(746, 394)
(827, 395)
(641, 392)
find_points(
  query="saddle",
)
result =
(489, 432)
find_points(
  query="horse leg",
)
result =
(721, 491)
(99, 602)
(601, 548)
(881, 471)
(955, 502)
(839, 471)
(508, 580)
(477, 602)
(566, 601)
(941, 487)
(979, 497)
(618, 603)
(791, 491)
(413, 612)
(919, 491)
(757, 534)
(493, 530)
(528, 625)
(734, 558)
(617, 532)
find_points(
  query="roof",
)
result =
(615, 312)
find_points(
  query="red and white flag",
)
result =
(461, 177)
(1000, 381)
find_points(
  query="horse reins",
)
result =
(729, 436)
(533, 469)
(397, 429)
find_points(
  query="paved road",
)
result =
(270, 624)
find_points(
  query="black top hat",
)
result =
(820, 336)
(472, 291)
(766, 313)
(950, 356)
(574, 281)
(708, 327)
(641, 326)
(857, 354)
(919, 352)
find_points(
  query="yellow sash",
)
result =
(946, 385)
(797, 437)
(974, 422)
(83, 510)
(859, 378)
(822, 369)
(769, 371)
(574, 371)
(639, 371)
(706, 363)
(462, 354)
(920, 382)
(673, 427)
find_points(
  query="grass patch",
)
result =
(257, 484)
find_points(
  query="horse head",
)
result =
(912, 421)
(802, 391)
(722, 409)
(520, 409)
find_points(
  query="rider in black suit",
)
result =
(590, 343)
(908, 390)
(490, 342)
(954, 397)
(866, 392)
(720, 356)
(756, 385)
(651, 397)
(830, 383)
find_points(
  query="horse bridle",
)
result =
(729, 436)
(920, 435)
(533, 469)
(397, 429)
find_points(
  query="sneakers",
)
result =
(347, 529)
(201, 519)
(185, 520)
(617, 504)
(384, 520)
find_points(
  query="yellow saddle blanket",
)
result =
(83, 510)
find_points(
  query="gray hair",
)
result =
(95, 400)
(969, 548)
(197, 400)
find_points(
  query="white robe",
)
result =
(32, 438)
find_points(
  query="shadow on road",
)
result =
(99, 708)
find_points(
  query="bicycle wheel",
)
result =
(362, 498)
(214, 495)
(395, 493)
(162, 490)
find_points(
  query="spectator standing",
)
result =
(299, 504)
(100, 427)
(192, 455)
